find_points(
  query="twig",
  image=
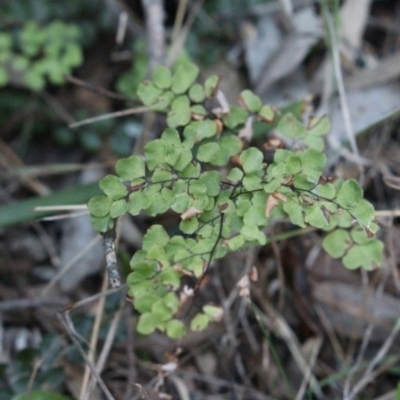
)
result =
(57, 107)
(85, 390)
(111, 259)
(69, 327)
(365, 341)
(94, 88)
(370, 374)
(285, 332)
(213, 380)
(117, 114)
(131, 376)
(154, 13)
(180, 13)
(180, 40)
(34, 302)
(307, 375)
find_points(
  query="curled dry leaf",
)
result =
(183, 271)
(169, 367)
(185, 294)
(225, 108)
(253, 274)
(279, 196)
(246, 133)
(220, 126)
(273, 144)
(244, 286)
(392, 181)
(190, 212)
(273, 201)
(197, 117)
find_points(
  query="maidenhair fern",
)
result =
(223, 210)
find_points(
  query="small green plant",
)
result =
(16, 378)
(223, 209)
(36, 54)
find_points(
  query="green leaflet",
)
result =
(196, 93)
(363, 212)
(337, 243)
(155, 236)
(175, 329)
(349, 195)
(235, 175)
(313, 163)
(199, 322)
(207, 152)
(326, 190)
(230, 145)
(251, 101)
(204, 129)
(99, 206)
(252, 160)
(155, 153)
(148, 323)
(130, 168)
(366, 256)
(180, 112)
(184, 77)
(118, 208)
(113, 187)
(162, 77)
(237, 116)
(315, 216)
(212, 181)
(148, 93)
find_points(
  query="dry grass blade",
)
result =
(224, 384)
(178, 44)
(75, 337)
(85, 391)
(370, 374)
(340, 83)
(180, 14)
(316, 344)
(67, 266)
(65, 319)
(282, 329)
(365, 341)
(9, 160)
(107, 344)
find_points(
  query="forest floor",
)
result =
(310, 328)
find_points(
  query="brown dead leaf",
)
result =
(246, 133)
(272, 202)
(190, 212)
(244, 286)
(354, 16)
